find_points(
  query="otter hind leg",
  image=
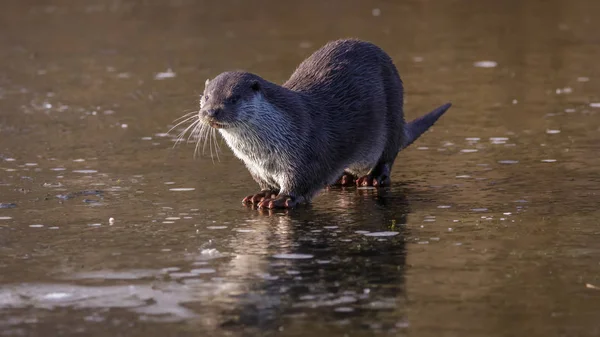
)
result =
(379, 176)
(346, 179)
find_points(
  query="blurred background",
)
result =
(490, 227)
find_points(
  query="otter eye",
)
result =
(205, 97)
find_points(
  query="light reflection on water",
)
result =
(489, 229)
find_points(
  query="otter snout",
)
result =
(214, 117)
(211, 113)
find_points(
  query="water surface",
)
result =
(489, 229)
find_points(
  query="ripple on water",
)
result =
(293, 256)
(5, 217)
(382, 234)
(85, 171)
(182, 189)
(485, 64)
(199, 271)
(216, 227)
(508, 162)
(165, 74)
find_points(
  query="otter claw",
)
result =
(379, 181)
(277, 202)
(258, 197)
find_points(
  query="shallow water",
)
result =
(489, 229)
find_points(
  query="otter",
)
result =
(338, 120)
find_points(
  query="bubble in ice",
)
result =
(485, 64)
(361, 232)
(210, 252)
(382, 234)
(565, 90)
(56, 296)
(216, 227)
(343, 309)
(293, 256)
(202, 271)
(164, 75)
(498, 140)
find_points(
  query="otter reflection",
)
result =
(338, 271)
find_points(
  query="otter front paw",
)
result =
(375, 181)
(280, 201)
(258, 197)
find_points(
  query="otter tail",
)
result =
(417, 127)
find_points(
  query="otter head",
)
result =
(227, 99)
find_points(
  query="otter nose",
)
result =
(212, 113)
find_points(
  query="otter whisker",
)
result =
(217, 148)
(197, 131)
(186, 114)
(200, 138)
(182, 134)
(194, 131)
(204, 136)
(181, 122)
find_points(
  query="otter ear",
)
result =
(206, 83)
(255, 86)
